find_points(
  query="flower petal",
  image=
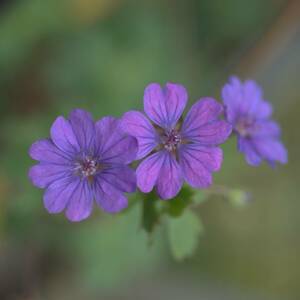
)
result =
(244, 99)
(59, 193)
(204, 111)
(254, 104)
(213, 133)
(210, 157)
(137, 125)
(170, 180)
(43, 174)
(120, 177)
(46, 151)
(114, 145)
(165, 106)
(271, 150)
(232, 96)
(80, 202)
(148, 170)
(197, 163)
(63, 136)
(263, 110)
(266, 129)
(108, 197)
(246, 146)
(123, 151)
(251, 97)
(83, 128)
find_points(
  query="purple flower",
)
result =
(175, 150)
(83, 161)
(249, 114)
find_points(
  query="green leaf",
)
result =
(150, 213)
(102, 246)
(176, 206)
(183, 234)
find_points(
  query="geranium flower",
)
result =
(249, 114)
(176, 151)
(83, 161)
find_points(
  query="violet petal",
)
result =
(164, 106)
(170, 179)
(114, 145)
(120, 177)
(80, 202)
(59, 193)
(213, 133)
(43, 174)
(271, 150)
(84, 129)
(137, 125)
(148, 170)
(109, 198)
(246, 146)
(46, 151)
(63, 136)
(197, 163)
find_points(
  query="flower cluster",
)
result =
(83, 160)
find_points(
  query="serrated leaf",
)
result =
(183, 234)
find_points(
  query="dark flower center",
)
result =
(244, 126)
(87, 167)
(171, 140)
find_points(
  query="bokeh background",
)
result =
(56, 55)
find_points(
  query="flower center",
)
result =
(171, 140)
(244, 126)
(87, 167)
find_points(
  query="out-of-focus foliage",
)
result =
(112, 247)
(183, 233)
(183, 226)
(99, 55)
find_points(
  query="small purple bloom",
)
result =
(249, 114)
(83, 161)
(176, 150)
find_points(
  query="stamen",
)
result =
(171, 140)
(87, 167)
(244, 126)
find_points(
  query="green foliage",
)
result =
(150, 212)
(154, 208)
(106, 248)
(183, 234)
(176, 206)
(183, 226)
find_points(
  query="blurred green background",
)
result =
(56, 55)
